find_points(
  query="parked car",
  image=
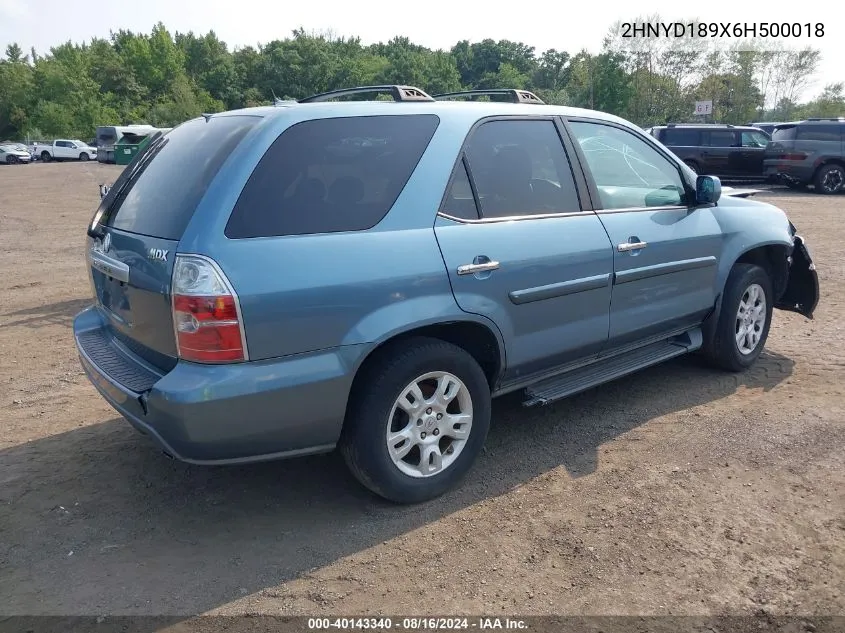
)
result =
(728, 151)
(64, 149)
(810, 152)
(368, 275)
(14, 154)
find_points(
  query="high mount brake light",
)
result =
(206, 314)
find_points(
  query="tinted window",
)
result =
(520, 168)
(106, 137)
(754, 139)
(460, 202)
(176, 170)
(681, 137)
(721, 138)
(784, 133)
(329, 175)
(627, 170)
(820, 133)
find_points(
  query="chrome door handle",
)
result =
(631, 246)
(471, 269)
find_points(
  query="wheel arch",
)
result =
(829, 160)
(479, 337)
(772, 256)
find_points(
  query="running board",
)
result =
(607, 369)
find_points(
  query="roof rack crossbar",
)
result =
(399, 93)
(516, 95)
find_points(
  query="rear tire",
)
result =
(45, 157)
(408, 449)
(744, 319)
(830, 179)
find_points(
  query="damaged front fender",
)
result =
(802, 287)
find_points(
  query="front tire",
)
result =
(830, 179)
(84, 157)
(417, 420)
(12, 160)
(744, 319)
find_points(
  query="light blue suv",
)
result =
(367, 275)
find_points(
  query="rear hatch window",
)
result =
(161, 195)
(784, 133)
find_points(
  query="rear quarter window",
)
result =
(331, 175)
(681, 137)
(820, 133)
(161, 198)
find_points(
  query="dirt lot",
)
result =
(680, 490)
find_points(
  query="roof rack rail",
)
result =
(703, 125)
(516, 95)
(829, 118)
(399, 93)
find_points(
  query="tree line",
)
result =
(163, 79)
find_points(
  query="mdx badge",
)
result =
(157, 254)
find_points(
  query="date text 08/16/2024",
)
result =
(416, 623)
(721, 29)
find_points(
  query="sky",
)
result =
(543, 24)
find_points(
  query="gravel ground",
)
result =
(680, 490)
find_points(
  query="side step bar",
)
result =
(606, 369)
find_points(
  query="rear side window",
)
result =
(820, 133)
(172, 176)
(330, 175)
(721, 138)
(681, 137)
(784, 133)
(520, 168)
(460, 201)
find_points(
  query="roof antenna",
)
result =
(276, 100)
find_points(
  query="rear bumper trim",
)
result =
(224, 414)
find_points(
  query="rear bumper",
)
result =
(788, 171)
(223, 414)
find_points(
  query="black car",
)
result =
(732, 152)
(808, 152)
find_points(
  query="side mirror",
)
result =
(708, 190)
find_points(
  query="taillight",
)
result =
(206, 314)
